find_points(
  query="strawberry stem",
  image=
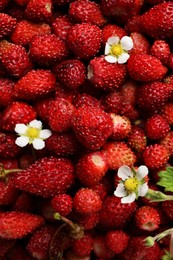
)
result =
(4, 173)
(157, 196)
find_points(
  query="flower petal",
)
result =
(22, 141)
(124, 172)
(129, 199)
(120, 191)
(113, 40)
(126, 43)
(20, 129)
(35, 123)
(44, 134)
(142, 190)
(38, 144)
(107, 48)
(141, 172)
(123, 58)
(111, 59)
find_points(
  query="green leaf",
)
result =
(166, 179)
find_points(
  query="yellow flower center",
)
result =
(116, 50)
(33, 132)
(131, 184)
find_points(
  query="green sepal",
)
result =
(166, 179)
(167, 256)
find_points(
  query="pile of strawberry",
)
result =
(58, 202)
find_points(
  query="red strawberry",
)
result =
(100, 249)
(167, 142)
(15, 59)
(61, 26)
(41, 106)
(128, 92)
(105, 75)
(36, 83)
(151, 97)
(86, 100)
(147, 218)
(7, 24)
(161, 50)
(83, 247)
(16, 113)
(86, 11)
(118, 154)
(92, 126)
(137, 250)
(91, 168)
(145, 67)
(121, 127)
(39, 11)
(133, 24)
(46, 177)
(117, 240)
(110, 30)
(6, 91)
(156, 127)
(47, 49)
(157, 21)
(86, 201)
(88, 221)
(115, 214)
(167, 208)
(62, 204)
(8, 193)
(137, 139)
(60, 115)
(26, 30)
(5, 246)
(16, 225)
(112, 102)
(155, 156)
(140, 43)
(84, 40)
(167, 112)
(38, 245)
(70, 73)
(8, 148)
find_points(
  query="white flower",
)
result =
(32, 134)
(116, 50)
(133, 183)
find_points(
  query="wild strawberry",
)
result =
(62, 144)
(6, 91)
(26, 30)
(91, 168)
(156, 127)
(115, 214)
(66, 93)
(86, 100)
(128, 92)
(157, 22)
(144, 67)
(8, 193)
(100, 249)
(6, 245)
(23, 203)
(140, 43)
(39, 12)
(8, 148)
(138, 250)
(88, 221)
(133, 24)
(43, 52)
(16, 225)
(70, 73)
(110, 30)
(155, 156)
(121, 127)
(147, 218)
(16, 11)
(38, 245)
(62, 204)
(86, 201)
(8, 164)
(3, 4)
(60, 115)
(15, 59)
(83, 247)
(46, 177)
(151, 97)
(167, 112)
(117, 240)
(161, 50)
(86, 11)
(84, 40)
(105, 75)
(36, 83)
(137, 139)
(7, 24)
(17, 112)
(112, 102)
(118, 154)
(61, 26)
(167, 142)
(168, 209)
(41, 106)
(96, 126)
